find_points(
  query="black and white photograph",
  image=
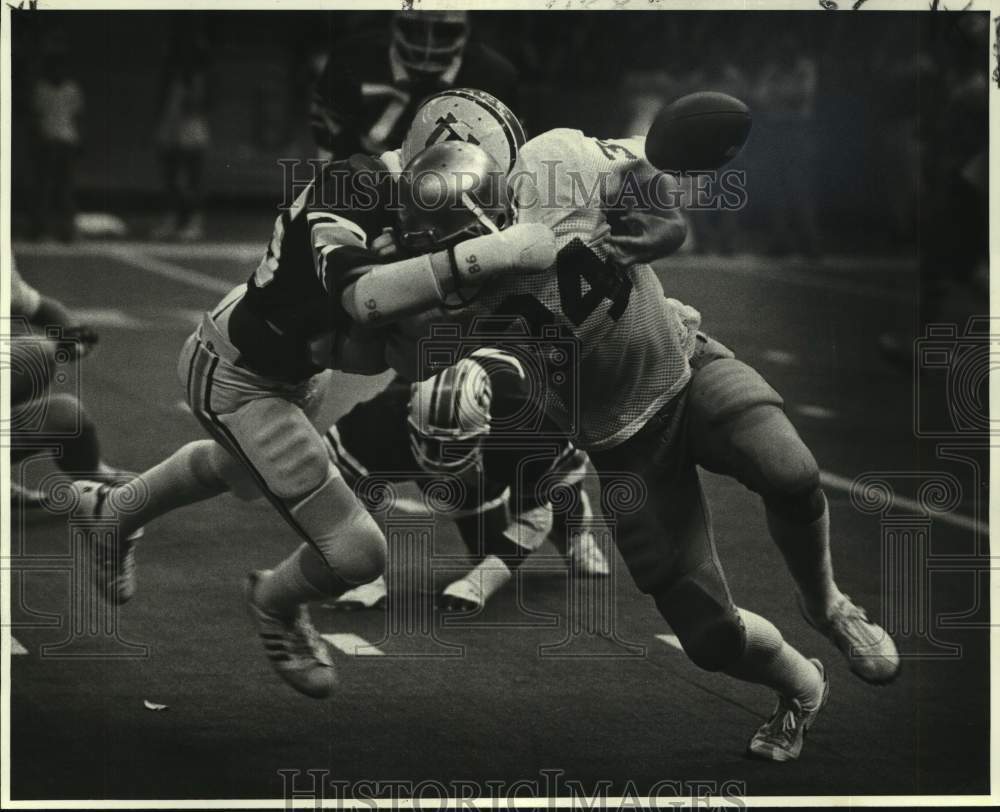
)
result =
(568, 404)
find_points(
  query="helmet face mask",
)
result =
(448, 193)
(428, 42)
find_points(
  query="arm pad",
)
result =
(393, 291)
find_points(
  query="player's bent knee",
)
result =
(787, 466)
(342, 531)
(727, 387)
(708, 627)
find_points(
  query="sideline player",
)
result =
(36, 413)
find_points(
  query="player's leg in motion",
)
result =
(268, 427)
(501, 534)
(739, 429)
(572, 532)
(372, 440)
(665, 538)
(264, 443)
(498, 542)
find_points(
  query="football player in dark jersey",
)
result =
(373, 83)
(256, 370)
(446, 426)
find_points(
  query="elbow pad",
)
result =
(392, 291)
(527, 248)
(397, 289)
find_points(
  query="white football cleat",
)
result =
(471, 591)
(585, 557)
(296, 651)
(781, 737)
(868, 648)
(113, 567)
(367, 596)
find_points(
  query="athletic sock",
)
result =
(805, 547)
(300, 578)
(187, 476)
(769, 660)
(491, 574)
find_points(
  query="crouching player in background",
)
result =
(39, 418)
(442, 426)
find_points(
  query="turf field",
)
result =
(519, 691)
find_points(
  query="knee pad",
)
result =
(281, 445)
(727, 387)
(341, 530)
(782, 466)
(708, 627)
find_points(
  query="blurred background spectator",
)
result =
(182, 131)
(850, 124)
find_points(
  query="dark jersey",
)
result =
(376, 438)
(319, 247)
(358, 105)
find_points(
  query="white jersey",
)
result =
(631, 351)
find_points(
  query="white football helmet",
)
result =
(464, 114)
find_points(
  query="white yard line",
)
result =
(671, 640)
(109, 317)
(238, 251)
(168, 270)
(15, 647)
(840, 483)
(800, 274)
(353, 644)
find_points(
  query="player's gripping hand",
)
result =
(653, 232)
(83, 336)
(385, 245)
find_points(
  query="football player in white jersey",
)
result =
(640, 414)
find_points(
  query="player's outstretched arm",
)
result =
(656, 227)
(393, 291)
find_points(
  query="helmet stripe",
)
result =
(511, 128)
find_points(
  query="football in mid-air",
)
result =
(698, 132)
